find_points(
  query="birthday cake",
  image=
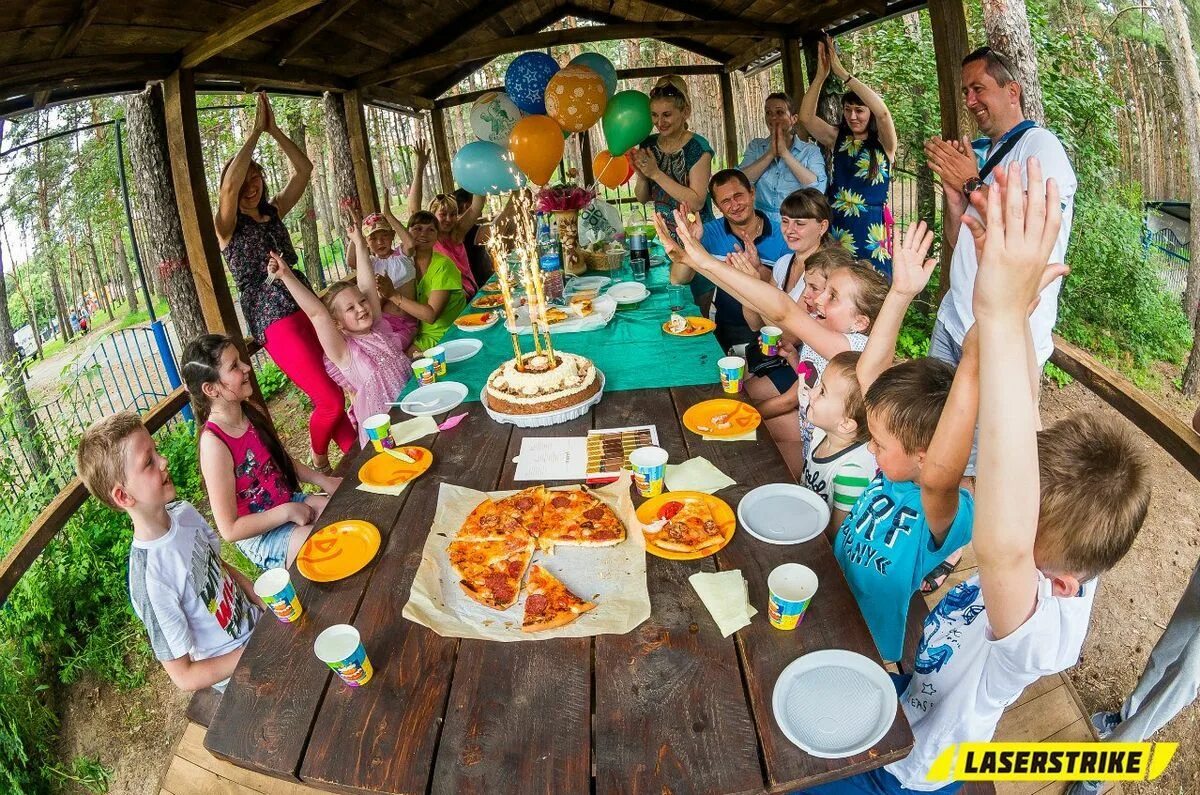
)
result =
(542, 385)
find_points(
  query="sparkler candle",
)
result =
(499, 254)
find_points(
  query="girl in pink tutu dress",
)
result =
(363, 353)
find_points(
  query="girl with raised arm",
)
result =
(249, 227)
(864, 147)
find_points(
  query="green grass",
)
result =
(137, 318)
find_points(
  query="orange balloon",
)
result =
(611, 172)
(576, 97)
(536, 143)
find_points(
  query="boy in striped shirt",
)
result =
(921, 416)
(839, 464)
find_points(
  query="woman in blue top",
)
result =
(864, 146)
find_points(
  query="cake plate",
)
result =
(546, 418)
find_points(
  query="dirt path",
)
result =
(134, 732)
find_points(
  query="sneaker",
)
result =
(1105, 722)
(1084, 788)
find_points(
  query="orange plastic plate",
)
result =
(338, 550)
(722, 513)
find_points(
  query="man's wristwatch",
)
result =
(972, 185)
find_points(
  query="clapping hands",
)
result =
(911, 270)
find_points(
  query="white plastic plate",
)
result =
(461, 350)
(834, 703)
(783, 513)
(434, 398)
(628, 292)
(587, 283)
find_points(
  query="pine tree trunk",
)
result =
(1007, 26)
(309, 239)
(97, 277)
(122, 265)
(339, 144)
(150, 159)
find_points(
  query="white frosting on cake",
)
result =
(573, 374)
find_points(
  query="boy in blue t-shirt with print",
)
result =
(922, 419)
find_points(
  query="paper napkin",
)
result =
(393, 491)
(749, 436)
(411, 430)
(696, 474)
(727, 598)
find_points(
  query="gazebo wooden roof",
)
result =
(400, 52)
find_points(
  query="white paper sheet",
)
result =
(543, 459)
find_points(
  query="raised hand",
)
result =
(263, 120)
(823, 57)
(421, 150)
(740, 260)
(688, 239)
(354, 230)
(1022, 228)
(911, 269)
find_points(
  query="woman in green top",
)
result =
(440, 296)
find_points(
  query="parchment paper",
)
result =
(612, 577)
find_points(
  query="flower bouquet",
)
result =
(564, 202)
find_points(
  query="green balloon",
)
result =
(626, 121)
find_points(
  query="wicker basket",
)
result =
(603, 260)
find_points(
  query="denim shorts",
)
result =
(269, 550)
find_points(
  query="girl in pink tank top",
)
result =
(253, 484)
(362, 351)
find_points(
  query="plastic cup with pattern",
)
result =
(425, 371)
(379, 431)
(649, 465)
(341, 649)
(790, 591)
(438, 354)
(274, 587)
(733, 372)
(769, 338)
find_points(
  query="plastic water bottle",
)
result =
(550, 259)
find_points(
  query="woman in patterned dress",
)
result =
(864, 147)
(249, 227)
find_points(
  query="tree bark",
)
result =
(309, 240)
(150, 157)
(343, 162)
(97, 277)
(25, 422)
(122, 265)
(1007, 26)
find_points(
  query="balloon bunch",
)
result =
(521, 130)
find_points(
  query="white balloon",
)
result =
(493, 116)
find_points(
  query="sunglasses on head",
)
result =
(667, 90)
(1004, 62)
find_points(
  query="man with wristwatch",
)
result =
(994, 97)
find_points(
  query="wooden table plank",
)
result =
(833, 621)
(382, 737)
(267, 712)
(519, 713)
(671, 712)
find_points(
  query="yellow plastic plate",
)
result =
(722, 513)
(338, 550)
(385, 470)
(696, 326)
(704, 418)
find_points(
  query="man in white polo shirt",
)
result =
(994, 98)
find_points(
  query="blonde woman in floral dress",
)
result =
(864, 147)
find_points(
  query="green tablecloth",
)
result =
(632, 351)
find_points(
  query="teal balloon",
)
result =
(601, 66)
(483, 167)
(626, 121)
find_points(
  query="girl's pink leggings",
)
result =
(292, 342)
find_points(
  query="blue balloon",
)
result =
(526, 78)
(483, 167)
(601, 66)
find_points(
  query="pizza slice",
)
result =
(491, 571)
(685, 526)
(549, 604)
(578, 517)
(523, 509)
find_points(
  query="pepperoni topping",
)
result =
(669, 510)
(515, 568)
(536, 604)
(524, 504)
(587, 525)
(595, 514)
(498, 584)
(561, 501)
(491, 520)
(675, 531)
(710, 526)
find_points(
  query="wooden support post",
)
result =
(360, 152)
(792, 60)
(585, 155)
(732, 153)
(949, 23)
(195, 213)
(441, 149)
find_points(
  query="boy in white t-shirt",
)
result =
(1053, 511)
(197, 609)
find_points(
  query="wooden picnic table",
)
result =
(668, 707)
